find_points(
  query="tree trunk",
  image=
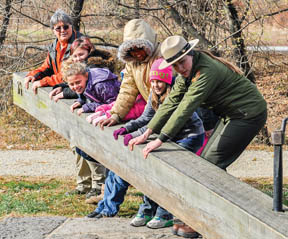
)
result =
(137, 10)
(76, 10)
(5, 22)
(188, 29)
(238, 42)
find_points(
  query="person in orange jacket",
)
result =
(48, 74)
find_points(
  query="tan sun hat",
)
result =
(174, 48)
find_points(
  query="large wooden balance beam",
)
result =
(214, 203)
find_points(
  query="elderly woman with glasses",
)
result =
(48, 74)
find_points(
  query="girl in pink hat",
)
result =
(191, 137)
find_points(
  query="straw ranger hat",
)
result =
(174, 48)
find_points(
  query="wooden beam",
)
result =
(214, 203)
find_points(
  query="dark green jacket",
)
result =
(211, 85)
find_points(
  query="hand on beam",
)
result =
(151, 146)
(107, 122)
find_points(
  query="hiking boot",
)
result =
(93, 192)
(75, 192)
(140, 220)
(177, 223)
(187, 232)
(158, 222)
(96, 199)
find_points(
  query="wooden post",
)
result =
(214, 203)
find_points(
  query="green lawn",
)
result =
(31, 196)
(41, 196)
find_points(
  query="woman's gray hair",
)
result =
(60, 16)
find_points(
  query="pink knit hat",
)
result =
(164, 75)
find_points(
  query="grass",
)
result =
(27, 196)
(21, 196)
(266, 186)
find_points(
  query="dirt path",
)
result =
(59, 163)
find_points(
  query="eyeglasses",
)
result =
(64, 27)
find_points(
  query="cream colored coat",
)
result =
(137, 33)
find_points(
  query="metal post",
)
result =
(278, 139)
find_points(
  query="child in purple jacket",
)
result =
(94, 87)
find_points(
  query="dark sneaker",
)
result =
(93, 214)
(74, 192)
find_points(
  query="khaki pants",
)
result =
(97, 174)
(83, 174)
(90, 174)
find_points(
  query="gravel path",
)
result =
(37, 163)
(55, 163)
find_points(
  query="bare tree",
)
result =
(224, 26)
(76, 8)
(137, 10)
(6, 11)
(238, 39)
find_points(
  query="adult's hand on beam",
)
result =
(151, 146)
(27, 80)
(53, 95)
(35, 85)
(138, 140)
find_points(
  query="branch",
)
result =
(249, 23)
(33, 47)
(162, 23)
(107, 15)
(207, 18)
(245, 14)
(34, 19)
(32, 42)
(181, 21)
(104, 42)
(148, 9)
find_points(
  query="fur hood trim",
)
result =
(123, 52)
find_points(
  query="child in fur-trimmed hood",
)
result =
(139, 50)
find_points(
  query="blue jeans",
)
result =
(84, 155)
(192, 143)
(116, 187)
(114, 193)
(151, 208)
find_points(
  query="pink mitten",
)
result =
(127, 138)
(120, 131)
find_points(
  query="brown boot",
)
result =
(96, 199)
(176, 225)
(187, 232)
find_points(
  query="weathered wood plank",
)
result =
(214, 203)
